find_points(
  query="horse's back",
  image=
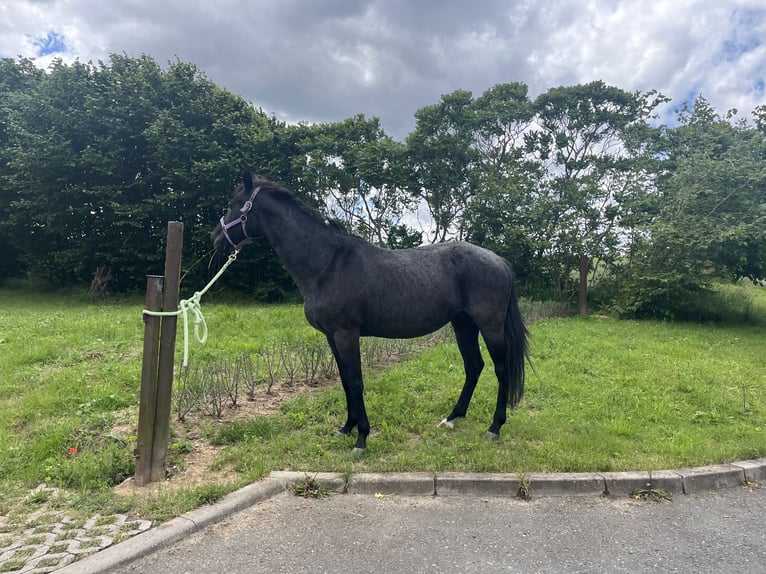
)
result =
(411, 292)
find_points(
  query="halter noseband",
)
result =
(241, 220)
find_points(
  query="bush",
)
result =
(684, 299)
(667, 296)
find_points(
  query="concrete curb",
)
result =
(618, 484)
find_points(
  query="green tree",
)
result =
(710, 217)
(584, 140)
(360, 177)
(15, 77)
(101, 157)
(442, 161)
(500, 214)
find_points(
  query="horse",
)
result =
(352, 288)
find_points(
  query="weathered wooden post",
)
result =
(157, 371)
(148, 398)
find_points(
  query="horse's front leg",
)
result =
(345, 349)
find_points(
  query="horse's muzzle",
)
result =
(219, 239)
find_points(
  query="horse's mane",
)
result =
(289, 198)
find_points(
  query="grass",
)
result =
(606, 395)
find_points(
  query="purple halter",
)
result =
(241, 220)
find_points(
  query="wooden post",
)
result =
(583, 295)
(148, 400)
(157, 369)
(167, 350)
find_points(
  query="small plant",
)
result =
(270, 358)
(39, 497)
(188, 392)
(12, 565)
(310, 358)
(523, 492)
(289, 362)
(249, 373)
(648, 492)
(231, 376)
(372, 352)
(215, 392)
(181, 447)
(308, 487)
(328, 368)
(207, 494)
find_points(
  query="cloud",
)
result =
(327, 60)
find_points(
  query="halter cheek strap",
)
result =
(241, 220)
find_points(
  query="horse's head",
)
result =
(237, 227)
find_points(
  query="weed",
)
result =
(34, 540)
(208, 494)
(38, 497)
(650, 493)
(12, 565)
(180, 447)
(308, 487)
(524, 492)
(48, 562)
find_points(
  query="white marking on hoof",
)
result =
(446, 423)
(357, 451)
(491, 436)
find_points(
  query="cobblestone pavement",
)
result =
(51, 540)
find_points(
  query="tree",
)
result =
(101, 157)
(500, 214)
(711, 214)
(360, 174)
(15, 77)
(442, 159)
(583, 139)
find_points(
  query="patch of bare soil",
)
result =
(192, 466)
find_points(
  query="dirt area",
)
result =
(194, 467)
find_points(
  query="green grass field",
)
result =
(605, 394)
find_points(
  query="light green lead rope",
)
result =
(192, 305)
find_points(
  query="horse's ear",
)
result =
(247, 180)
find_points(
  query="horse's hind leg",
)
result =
(467, 336)
(497, 350)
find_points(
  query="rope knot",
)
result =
(192, 305)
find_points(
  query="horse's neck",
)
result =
(304, 245)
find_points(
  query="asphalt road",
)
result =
(714, 532)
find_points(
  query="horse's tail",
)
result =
(516, 347)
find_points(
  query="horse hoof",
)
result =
(339, 434)
(489, 435)
(357, 452)
(446, 423)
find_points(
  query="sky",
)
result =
(327, 60)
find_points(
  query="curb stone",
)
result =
(715, 477)
(679, 481)
(173, 530)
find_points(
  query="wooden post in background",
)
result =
(157, 372)
(583, 295)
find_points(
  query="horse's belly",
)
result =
(405, 321)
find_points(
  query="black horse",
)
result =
(354, 289)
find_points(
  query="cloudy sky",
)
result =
(326, 60)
